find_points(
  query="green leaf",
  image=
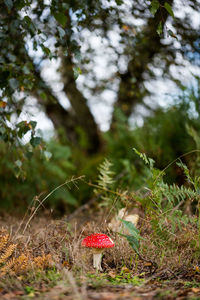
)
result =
(46, 50)
(159, 28)
(131, 228)
(61, 18)
(134, 236)
(21, 4)
(47, 155)
(43, 95)
(119, 2)
(170, 32)
(65, 53)
(61, 32)
(77, 72)
(35, 141)
(147, 160)
(14, 83)
(23, 127)
(28, 20)
(133, 241)
(17, 172)
(26, 70)
(9, 4)
(169, 9)
(77, 54)
(33, 124)
(18, 163)
(4, 78)
(154, 6)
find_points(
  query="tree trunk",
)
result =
(60, 117)
(79, 115)
(131, 88)
(80, 106)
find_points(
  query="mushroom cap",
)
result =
(98, 240)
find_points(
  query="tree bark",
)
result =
(60, 117)
(80, 106)
(79, 115)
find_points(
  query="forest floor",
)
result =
(55, 266)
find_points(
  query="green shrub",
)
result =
(165, 135)
(22, 179)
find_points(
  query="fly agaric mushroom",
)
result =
(98, 242)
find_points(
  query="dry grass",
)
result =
(63, 241)
(53, 248)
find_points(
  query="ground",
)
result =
(69, 273)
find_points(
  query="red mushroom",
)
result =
(97, 241)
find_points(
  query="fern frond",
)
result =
(21, 263)
(42, 262)
(147, 160)
(174, 192)
(3, 241)
(7, 253)
(8, 266)
(11, 264)
(159, 229)
(105, 178)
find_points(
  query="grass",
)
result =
(71, 272)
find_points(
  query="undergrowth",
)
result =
(10, 263)
(165, 241)
(164, 207)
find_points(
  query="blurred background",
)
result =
(81, 81)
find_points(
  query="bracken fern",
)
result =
(163, 200)
(12, 264)
(105, 183)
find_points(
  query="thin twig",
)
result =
(108, 190)
(26, 213)
(183, 155)
(43, 200)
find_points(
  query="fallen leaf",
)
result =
(197, 269)
(195, 290)
(112, 274)
(66, 264)
(148, 264)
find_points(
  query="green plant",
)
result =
(166, 134)
(105, 184)
(163, 200)
(29, 290)
(134, 236)
(126, 277)
(22, 180)
(191, 284)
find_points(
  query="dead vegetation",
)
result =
(49, 254)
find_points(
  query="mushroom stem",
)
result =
(97, 256)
